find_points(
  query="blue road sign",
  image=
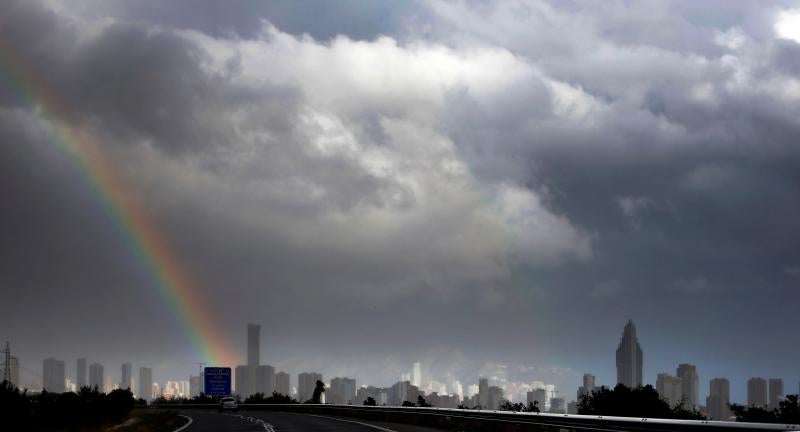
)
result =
(217, 381)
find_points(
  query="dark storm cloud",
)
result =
(138, 84)
(552, 168)
(706, 167)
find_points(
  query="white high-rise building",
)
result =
(557, 406)
(53, 376)
(719, 399)
(629, 358)
(265, 380)
(538, 396)
(70, 386)
(146, 383)
(433, 386)
(244, 380)
(757, 392)
(402, 391)
(80, 373)
(306, 382)
(96, 376)
(127, 376)
(775, 393)
(176, 389)
(550, 393)
(342, 391)
(495, 398)
(454, 386)
(572, 407)
(416, 374)
(194, 385)
(282, 385)
(690, 382)
(670, 388)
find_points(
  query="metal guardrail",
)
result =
(465, 419)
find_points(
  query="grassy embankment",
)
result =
(150, 421)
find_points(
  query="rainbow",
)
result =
(127, 215)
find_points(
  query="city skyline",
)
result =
(253, 378)
(484, 189)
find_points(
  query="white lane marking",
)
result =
(349, 421)
(266, 426)
(186, 425)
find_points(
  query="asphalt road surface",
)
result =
(260, 421)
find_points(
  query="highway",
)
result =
(260, 421)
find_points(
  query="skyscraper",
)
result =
(13, 369)
(757, 392)
(342, 391)
(670, 388)
(557, 405)
(402, 391)
(454, 386)
(265, 380)
(145, 383)
(495, 398)
(539, 397)
(127, 376)
(572, 407)
(80, 373)
(416, 374)
(253, 348)
(718, 400)
(194, 385)
(306, 382)
(282, 385)
(775, 393)
(96, 378)
(690, 386)
(629, 358)
(244, 381)
(53, 377)
(588, 385)
(483, 392)
(549, 394)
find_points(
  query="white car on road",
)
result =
(228, 403)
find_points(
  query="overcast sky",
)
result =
(484, 187)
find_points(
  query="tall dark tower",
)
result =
(7, 363)
(629, 358)
(253, 345)
(80, 374)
